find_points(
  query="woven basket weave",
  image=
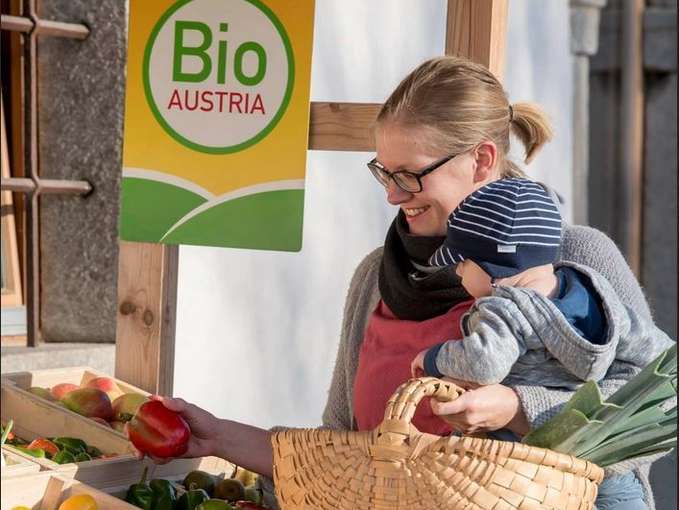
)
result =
(397, 467)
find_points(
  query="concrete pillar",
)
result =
(585, 15)
(81, 103)
(584, 21)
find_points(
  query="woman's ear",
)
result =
(485, 157)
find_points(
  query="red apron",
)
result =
(389, 346)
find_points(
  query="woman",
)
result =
(443, 133)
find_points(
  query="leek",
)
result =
(630, 423)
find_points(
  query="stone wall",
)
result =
(81, 97)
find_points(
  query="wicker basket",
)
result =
(397, 467)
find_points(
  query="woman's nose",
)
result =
(396, 195)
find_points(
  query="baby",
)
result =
(535, 321)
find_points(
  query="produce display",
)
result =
(148, 425)
(62, 450)
(99, 399)
(199, 490)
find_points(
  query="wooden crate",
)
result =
(175, 471)
(47, 490)
(51, 377)
(16, 465)
(37, 417)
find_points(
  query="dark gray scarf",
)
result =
(409, 293)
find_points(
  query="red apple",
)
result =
(89, 402)
(41, 392)
(60, 390)
(125, 406)
(105, 384)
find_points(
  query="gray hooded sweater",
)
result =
(517, 336)
(582, 245)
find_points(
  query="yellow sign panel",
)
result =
(216, 122)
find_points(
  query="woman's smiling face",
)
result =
(443, 189)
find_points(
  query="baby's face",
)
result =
(474, 279)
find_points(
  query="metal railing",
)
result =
(31, 26)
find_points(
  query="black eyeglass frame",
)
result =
(377, 168)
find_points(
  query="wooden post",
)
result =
(147, 300)
(147, 279)
(477, 29)
(632, 142)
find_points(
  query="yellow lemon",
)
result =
(21, 508)
(79, 502)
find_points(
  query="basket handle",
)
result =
(403, 403)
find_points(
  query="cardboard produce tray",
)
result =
(16, 465)
(47, 490)
(37, 417)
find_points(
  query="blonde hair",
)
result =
(457, 104)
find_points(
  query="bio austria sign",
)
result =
(216, 122)
(216, 85)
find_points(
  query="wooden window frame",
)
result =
(11, 290)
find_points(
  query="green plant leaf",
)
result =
(629, 424)
(626, 447)
(587, 399)
(562, 432)
(635, 394)
(650, 415)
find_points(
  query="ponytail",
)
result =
(530, 125)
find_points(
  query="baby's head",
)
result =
(507, 232)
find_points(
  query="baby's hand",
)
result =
(417, 365)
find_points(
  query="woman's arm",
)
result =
(593, 248)
(361, 299)
(244, 445)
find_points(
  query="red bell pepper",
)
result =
(44, 444)
(157, 431)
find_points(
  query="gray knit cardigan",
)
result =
(579, 244)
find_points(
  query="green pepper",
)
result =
(164, 494)
(33, 452)
(191, 499)
(163, 487)
(72, 444)
(140, 494)
(82, 457)
(63, 457)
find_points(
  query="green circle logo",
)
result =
(218, 74)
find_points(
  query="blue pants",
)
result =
(620, 492)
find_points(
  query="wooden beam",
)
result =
(630, 209)
(342, 126)
(477, 29)
(147, 300)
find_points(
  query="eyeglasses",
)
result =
(407, 181)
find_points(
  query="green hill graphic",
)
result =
(270, 220)
(150, 208)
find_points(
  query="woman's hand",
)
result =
(483, 409)
(243, 445)
(206, 429)
(417, 365)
